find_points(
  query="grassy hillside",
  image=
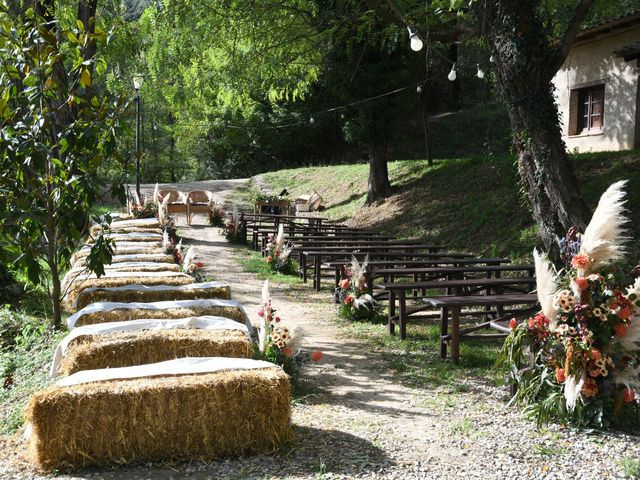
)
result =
(471, 204)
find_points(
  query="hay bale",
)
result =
(131, 237)
(144, 293)
(138, 342)
(77, 284)
(96, 230)
(179, 417)
(124, 248)
(141, 257)
(102, 312)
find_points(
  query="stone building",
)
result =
(597, 88)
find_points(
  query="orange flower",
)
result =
(345, 283)
(590, 388)
(560, 377)
(287, 351)
(620, 329)
(348, 299)
(512, 324)
(316, 355)
(581, 261)
(595, 354)
(624, 313)
(269, 259)
(628, 395)
(582, 283)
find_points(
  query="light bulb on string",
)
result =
(492, 59)
(452, 74)
(480, 73)
(415, 42)
(312, 120)
(342, 116)
(419, 89)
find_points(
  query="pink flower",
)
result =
(344, 284)
(581, 261)
(261, 313)
(277, 319)
(199, 264)
(348, 299)
(560, 376)
(269, 259)
(288, 351)
(512, 324)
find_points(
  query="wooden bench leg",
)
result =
(444, 322)
(392, 312)
(402, 314)
(455, 334)
(303, 267)
(316, 272)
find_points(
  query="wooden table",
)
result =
(283, 205)
(456, 303)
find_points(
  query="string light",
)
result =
(492, 59)
(312, 120)
(480, 73)
(452, 74)
(419, 89)
(414, 39)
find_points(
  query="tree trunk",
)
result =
(523, 56)
(379, 185)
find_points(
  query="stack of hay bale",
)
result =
(155, 367)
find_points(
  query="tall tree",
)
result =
(56, 132)
(528, 44)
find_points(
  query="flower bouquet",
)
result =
(278, 254)
(146, 210)
(583, 347)
(279, 342)
(216, 215)
(172, 247)
(355, 302)
(235, 231)
(191, 266)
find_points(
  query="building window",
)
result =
(586, 110)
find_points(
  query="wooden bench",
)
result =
(455, 304)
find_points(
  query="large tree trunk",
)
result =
(379, 185)
(524, 68)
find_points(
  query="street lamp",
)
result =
(137, 83)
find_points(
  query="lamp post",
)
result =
(137, 83)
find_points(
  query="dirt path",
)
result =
(358, 422)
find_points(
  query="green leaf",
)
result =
(85, 78)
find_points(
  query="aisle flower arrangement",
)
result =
(234, 231)
(171, 247)
(169, 231)
(355, 302)
(581, 352)
(148, 209)
(216, 215)
(278, 254)
(191, 266)
(278, 341)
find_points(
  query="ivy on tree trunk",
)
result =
(525, 62)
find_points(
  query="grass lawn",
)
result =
(472, 204)
(255, 263)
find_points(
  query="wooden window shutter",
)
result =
(573, 112)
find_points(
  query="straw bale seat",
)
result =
(76, 284)
(201, 408)
(123, 248)
(140, 257)
(155, 236)
(138, 342)
(101, 312)
(156, 293)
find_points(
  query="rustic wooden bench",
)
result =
(454, 304)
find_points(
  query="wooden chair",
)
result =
(198, 201)
(176, 203)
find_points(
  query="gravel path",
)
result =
(357, 422)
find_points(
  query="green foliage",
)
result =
(24, 364)
(56, 133)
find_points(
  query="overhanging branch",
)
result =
(566, 40)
